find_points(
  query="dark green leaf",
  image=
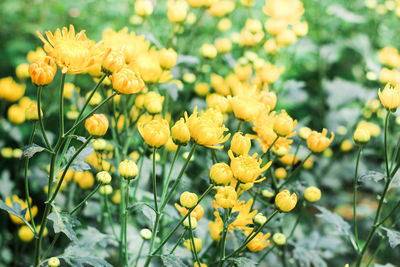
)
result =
(29, 151)
(77, 256)
(79, 163)
(64, 222)
(393, 236)
(16, 211)
(170, 260)
(371, 176)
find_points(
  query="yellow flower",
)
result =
(389, 56)
(304, 132)
(143, 8)
(373, 129)
(361, 135)
(188, 200)
(153, 102)
(219, 85)
(275, 25)
(390, 97)
(216, 228)
(205, 130)
(170, 146)
(197, 244)
(16, 114)
(285, 202)
(43, 72)
(289, 10)
(279, 239)
(223, 45)
(246, 169)
(218, 102)
(221, 173)
(24, 205)
(177, 10)
(346, 145)
(269, 73)
(300, 28)
(103, 177)
(243, 72)
(36, 55)
(312, 194)
(270, 46)
(284, 124)
(167, 58)
(197, 212)
(280, 173)
(240, 144)
(308, 164)
(53, 262)
(226, 197)
(85, 180)
(289, 159)
(69, 89)
(180, 132)
(208, 51)
(31, 112)
(155, 132)
(10, 90)
(113, 61)
(97, 125)
(221, 8)
(318, 142)
(22, 71)
(245, 107)
(268, 99)
(25, 234)
(286, 37)
(72, 52)
(128, 169)
(202, 89)
(224, 24)
(116, 198)
(259, 242)
(127, 82)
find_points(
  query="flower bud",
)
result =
(16, 114)
(193, 222)
(180, 132)
(223, 45)
(97, 124)
(285, 202)
(283, 124)
(280, 173)
(106, 189)
(22, 71)
(188, 200)
(246, 186)
(53, 262)
(99, 144)
(113, 61)
(197, 243)
(146, 233)
(208, 51)
(390, 97)
(266, 193)
(312, 194)
(224, 24)
(43, 72)
(128, 169)
(167, 58)
(31, 112)
(279, 239)
(240, 144)
(155, 132)
(103, 177)
(95, 100)
(226, 197)
(318, 142)
(153, 102)
(304, 132)
(202, 89)
(259, 219)
(143, 8)
(361, 136)
(221, 173)
(126, 81)
(177, 11)
(346, 145)
(170, 146)
(300, 28)
(280, 151)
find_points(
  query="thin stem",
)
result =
(90, 97)
(192, 240)
(27, 182)
(385, 146)
(39, 94)
(177, 181)
(355, 198)
(138, 177)
(265, 254)
(126, 223)
(155, 180)
(295, 171)
(139, 253)
(166, 185)
(110, 220)
(179, 241)
(269, 148)
(223, 238)
(85, 199)
(61, 102)
(239, 125)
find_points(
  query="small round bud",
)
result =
(167, 58)
(146, 233)
(103, 177)
(221, 173)
(153, 102)
(208, 51)
(280, 173)
(53, 262)
(193, 222)
(361, 136)
(128, 169)
(304, 132)
(312, 194)
(240, 144)
(285, 202)
(99, 144)
(266, 193)
(259, 219)
(180, 132)
(97, 124)
(283, 124)
(280, 151)
(106, 189)
(279, 239)
(188, 200)
(43, 72)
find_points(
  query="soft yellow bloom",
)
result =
(202, 89)
(97, 124)
(31, 112)
(361, 135)
(16, 114)
(259, 242)
(279, 239)
(221, 8)
(177, 10)
(221, 173)
(113, 61)
(170, 146)
(208, 51)
(269, 73)
(226, 197)
(284, 124)
(103, 177)
(167, 58)
(280, 173)
(285, 202)
(224, 24)
(275, 25)
(128, 169)
(180, 132)
(36, 55)
(246, 107)
(85, 180)
(304, 132)
(25, 234)
(127, 81)
(312, 194)
(10, 90)
(223, 45)
(300, 28)
(188, 200)
(373, 129)
(390, 97)
(289, 10)
(346, 145)
(153, 102)
(318, 142)
(270, 46)
(247, 169)
(240, 144)
(72, 52)
(22, 71)
(218, 102)
(155, 132)
(197, 244)
(197, 212)
(389, 56)
(143, 8)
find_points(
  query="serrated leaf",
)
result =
(64, 222)
(79, 164)
(233, 217)
(243, 262)
(308, 257)
(371, 176)
(30, 151)
(77, 256)
(393, 237)
(341, 226)
(171, 260)
(17, 211)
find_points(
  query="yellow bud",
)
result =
(390, 97)
(167, 58)
(177, 11)
(202, 89)
(6, 152)
(143, 8)
(146, 234)
(304, 132)
(16, 114)
(153, 102)
(197, 243)
(22, 71)
(128, 169)
(31, 112)
(280, 173)
(221, 173)
(97, 124)
(226, 197)
(259, 219)
(99, 144)
(180, 132)
(126, 81)
(155, 132)
(240, 144)
(208, 51)
(286, 37)
(361, 136)
(280, 151)
(346, 145)
(224, 24)
(266, 193)
(25, 234)
(300, 28)
(270, 46)
(279, 239)
(188, 200)
(285, 202)
(103, 177)
(106, 189)
(223, 45)
(43, 72)
(113, 61)
(53, 262)
(95, 100)
(193, 222)
(318, 142)
(312, 194)
(283, 124)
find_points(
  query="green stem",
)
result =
(385, 145)
(269, 148)
(265, 254)
(139, 253)
(295, 171)
(223, 238)
(179, 241)
(126, 223)
(355, 198)
(138, 177)
(155, 180)
(239, 125)
(192, 240)
(166, 185)
(177, 181)
(27, 182)
(110, 220)
(39, 95)
(61, 102)
(85, 199)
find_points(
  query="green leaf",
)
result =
(171, 260)
(393, 236)
(16, 211)
(308, 257)
(30, 151)
(341, 226)
(243, 262)
(75, 255)
(79, 164)
(64, 222)
(371, 176)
